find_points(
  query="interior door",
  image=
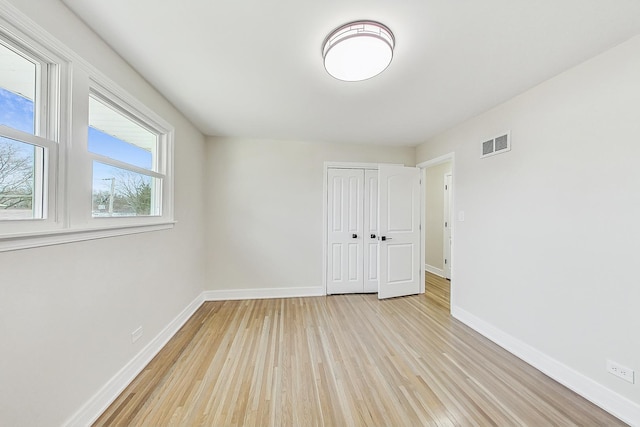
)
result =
(399, 228)
(447, 225)
(345, 235)
(370, 237)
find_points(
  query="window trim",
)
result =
(163, 167)
(51, 75)
(17, 241)
(67, 220)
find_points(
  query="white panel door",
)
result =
(399, 227)
(370, 237)
(345, 234)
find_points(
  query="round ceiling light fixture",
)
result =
(358, 50)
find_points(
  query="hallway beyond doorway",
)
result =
(438, 290)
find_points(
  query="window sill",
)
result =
(58, 237)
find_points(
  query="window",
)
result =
(74, 164)
(26, 132)
(127, 168)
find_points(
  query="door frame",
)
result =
(325, 204)
(446, 244)
(449, 157)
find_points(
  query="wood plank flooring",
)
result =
(344, 360)
(438, 290)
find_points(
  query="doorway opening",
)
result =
(438, 230)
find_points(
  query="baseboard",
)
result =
(266, 293)
(435, 270)
(91, 410)
(617, 405)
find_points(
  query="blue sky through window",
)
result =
(16, 111)
(107, 145)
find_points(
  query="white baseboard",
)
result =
(435, 270)
(97, 404)
(617, 405)
(240, 294)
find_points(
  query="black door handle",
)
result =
(373, 236)
(355, 236)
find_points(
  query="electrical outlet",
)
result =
(618, 370)
(135, 335)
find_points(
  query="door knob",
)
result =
(373, 236)
(385, 238)
(355, 236)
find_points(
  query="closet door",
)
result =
(345, 215)
(370, 237)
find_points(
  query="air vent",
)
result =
(497, 145)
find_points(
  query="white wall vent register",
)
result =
(497, 145)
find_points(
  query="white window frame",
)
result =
(162, 168)
(51, 75)
(67, 215)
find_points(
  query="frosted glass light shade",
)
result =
(358, 50)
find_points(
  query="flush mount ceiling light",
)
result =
(358, 50)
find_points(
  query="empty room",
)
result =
(337, 213)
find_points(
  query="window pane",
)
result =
(17, 91)
(17, 166)
(116, 136)
(120, 192)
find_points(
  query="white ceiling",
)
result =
(254, 68)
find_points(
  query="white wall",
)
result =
(548, 251)
(265, 209)
(434, 214)
(67, 311)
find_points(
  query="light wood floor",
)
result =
(438, 290)
(346, 360)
